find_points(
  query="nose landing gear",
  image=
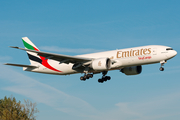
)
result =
(162, 64)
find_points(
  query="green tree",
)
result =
(10, 109)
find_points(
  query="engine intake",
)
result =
(134, 70)
(101, 64)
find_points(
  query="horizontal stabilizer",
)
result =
(20, 65)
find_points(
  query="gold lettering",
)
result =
(149, 49)
(130, 53)
(133, 52)
(144, 51)
(141, 51)
(125, 54)
(119, 54)
(137, 53)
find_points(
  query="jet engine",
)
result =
(134, 70)
(101, 64)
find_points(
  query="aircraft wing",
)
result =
(58, 57)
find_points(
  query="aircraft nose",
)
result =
(171, 54)
(174, 53)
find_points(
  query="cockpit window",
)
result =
(169, 49)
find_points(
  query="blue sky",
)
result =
(77, 27)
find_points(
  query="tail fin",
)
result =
(33, 57)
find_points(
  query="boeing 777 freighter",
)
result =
(129, 61)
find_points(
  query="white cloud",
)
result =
(68, 50)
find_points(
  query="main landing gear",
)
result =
(86, 76)
(162, 64)
(104, 78)
(101, 80)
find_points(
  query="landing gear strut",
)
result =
(162, 64)
(104, 78)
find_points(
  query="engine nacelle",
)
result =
(134, 70)
(101, 64)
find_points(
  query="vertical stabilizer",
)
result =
(33, 57)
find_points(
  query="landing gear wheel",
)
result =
(89, 75)
(161, 69)
(108, 77)
(104, 79)
(86, 76)
(100, 80)
(82, 78)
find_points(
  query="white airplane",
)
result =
(129, 61)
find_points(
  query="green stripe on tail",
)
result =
(28, 46)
